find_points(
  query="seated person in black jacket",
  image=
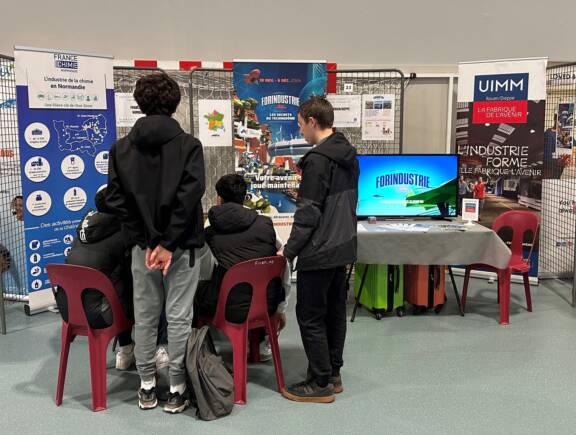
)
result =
(237, 234)
(102, 245)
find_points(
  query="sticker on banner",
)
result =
(37, 169)
(72, 167)
(36, 284)
(35, 258)
(68, 239)
(67, 251)
(34, 245)
(37, 135)
(75, 199)
(101, 162)
(102, 188)
(36, 271)
(38, 203)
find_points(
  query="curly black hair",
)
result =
(157, 94)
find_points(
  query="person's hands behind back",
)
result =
(160, 258)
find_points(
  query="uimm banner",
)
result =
(66, 123)
(499, 136)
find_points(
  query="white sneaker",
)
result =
(162, 358)
(265, 350)
(125, 357)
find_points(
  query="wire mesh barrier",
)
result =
(559, 181)
(218, 84)
(373, 82)
(125, 79)
(212, 84)
(12, 257)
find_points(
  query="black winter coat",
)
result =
(155, 184)
(237, 234)
(324, 231)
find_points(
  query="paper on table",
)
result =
(418, 228)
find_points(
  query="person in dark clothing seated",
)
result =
(102, 245)
(236, 234)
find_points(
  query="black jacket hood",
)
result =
(96, 226)
(151, 132)
(337, 148)
(231, 218)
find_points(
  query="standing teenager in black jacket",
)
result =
(323, 239)
(155, 185)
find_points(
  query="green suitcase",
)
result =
(383, 289)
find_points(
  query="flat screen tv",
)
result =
(408, 185)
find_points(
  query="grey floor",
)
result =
(434, 374)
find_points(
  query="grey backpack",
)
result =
(211, 384)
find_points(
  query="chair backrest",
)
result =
(257, 273)
(520, 222)
(74, 280)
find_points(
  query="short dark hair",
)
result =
(232, 188)
(157, 94)
(318, 108)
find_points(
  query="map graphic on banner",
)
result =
(63, 151)
(500, 137)
(266, 133)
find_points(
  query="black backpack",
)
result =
(211, 383)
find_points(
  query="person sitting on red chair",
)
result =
(102, 245)
(236, 234)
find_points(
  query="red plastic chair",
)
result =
(74, 280)
(520, 222)
(258, 273)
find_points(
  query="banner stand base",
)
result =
(39, 302)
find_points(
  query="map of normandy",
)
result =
(84, 137)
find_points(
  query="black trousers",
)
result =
(321, 315)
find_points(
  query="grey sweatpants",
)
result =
(151, 291)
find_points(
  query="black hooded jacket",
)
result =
(156, 182)
(324, 231)
(237, 234)
(101, 245)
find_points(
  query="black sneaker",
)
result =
(336, 381)
(309, 391)
(147, 398)
(177, 403)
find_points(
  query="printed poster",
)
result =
(347, 110)
(215, 123)
(378, 117)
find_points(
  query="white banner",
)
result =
(63, 80)
(499, 75)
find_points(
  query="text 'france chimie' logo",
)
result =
(66, 61)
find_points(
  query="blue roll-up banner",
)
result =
(266, 134)
(66, 124)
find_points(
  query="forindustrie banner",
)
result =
(500, 137)
(66, 126)
(266, 133)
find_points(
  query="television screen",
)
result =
(408, 185)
